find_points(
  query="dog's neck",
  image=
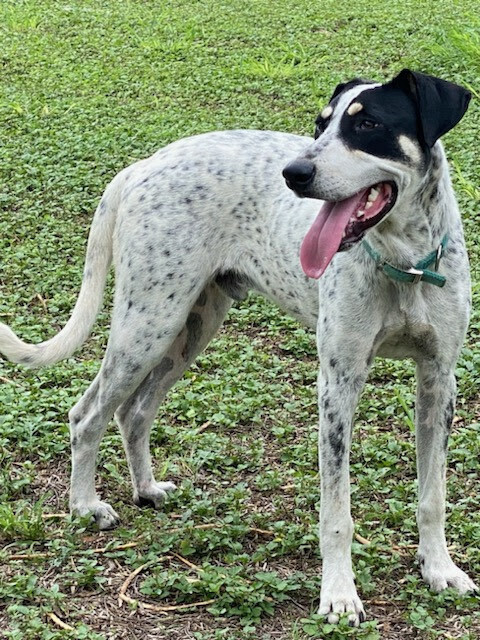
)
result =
(422, 218)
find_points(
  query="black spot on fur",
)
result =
(335, 439)
(163, 368)
(194, 333)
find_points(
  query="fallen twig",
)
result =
(58, 622)
(188, 563)
(404, 547)
(128, 580)
(8, 381)
(123, 597)
(29, 556)
(48, 554)
(121, 547)
(361, 539)
(176, 607)
(263, 532)
(42, 302)
(204, 426)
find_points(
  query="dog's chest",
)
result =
(413, 323)
(404, 340)
(426, 321)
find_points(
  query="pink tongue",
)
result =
(325, 235)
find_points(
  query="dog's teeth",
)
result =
(372, 196)
(360, 213)
(369, 204)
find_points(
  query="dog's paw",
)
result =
(100, 512)
(153, 495)
(443, 574)
(340, 598)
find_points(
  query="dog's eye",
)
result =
(367, 124)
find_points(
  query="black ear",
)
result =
(440, 104)
(345, 86)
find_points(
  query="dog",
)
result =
(385, 272)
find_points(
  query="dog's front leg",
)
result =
(436, 394)
(339, 385)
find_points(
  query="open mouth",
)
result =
(339, 225)
(374, 204)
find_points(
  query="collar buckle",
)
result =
(417, 273)
(438, 255)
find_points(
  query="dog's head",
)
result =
(371, 140)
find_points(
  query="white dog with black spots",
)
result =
(385, 272)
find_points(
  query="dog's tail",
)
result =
(79, 325)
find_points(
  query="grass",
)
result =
(87, 88)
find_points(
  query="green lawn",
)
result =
(87, 88)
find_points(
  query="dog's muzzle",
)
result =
(299, 175)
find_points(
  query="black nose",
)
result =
(299, 174)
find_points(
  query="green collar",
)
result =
(418, 273)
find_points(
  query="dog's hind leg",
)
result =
(117, 378)
(136, 415)
(434, 413)
(140, 338)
